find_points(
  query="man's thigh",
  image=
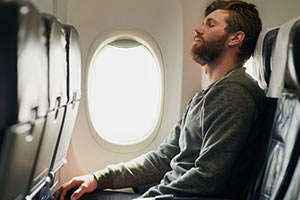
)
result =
(109, 195)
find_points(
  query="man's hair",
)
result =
(242, 17)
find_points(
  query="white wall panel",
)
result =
(163, 21)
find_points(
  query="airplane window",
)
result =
(124, 92)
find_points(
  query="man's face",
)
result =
(210, 38)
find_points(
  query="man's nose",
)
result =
(198, 31)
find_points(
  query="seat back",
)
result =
(23, 91)
(57, 97)
(74, 94)
(262, 69)
(291, 180)
(284, 85)
(293, 192)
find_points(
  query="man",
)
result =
(210, 152)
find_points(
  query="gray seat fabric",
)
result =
(293, 192)
(23, 101)
(65, 60)
(40, 92)
(290, 188)
(73, 96)
(57, 98)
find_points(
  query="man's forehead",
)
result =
(218, 15)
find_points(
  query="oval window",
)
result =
(124, 92)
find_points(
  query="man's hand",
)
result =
(85, 184)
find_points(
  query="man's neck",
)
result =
(216, 70)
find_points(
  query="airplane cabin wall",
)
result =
(57, 8)
(163, 21)
(275, 12)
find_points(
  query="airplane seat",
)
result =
(262, 70)
(23, 89)
(262, 55)
(57, 97)
(292, 180)
(73, 96)
(284, 143)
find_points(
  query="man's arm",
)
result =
(146, 169)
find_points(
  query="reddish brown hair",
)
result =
(243, 17)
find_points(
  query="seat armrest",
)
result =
(171, 197)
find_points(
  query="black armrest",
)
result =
(171, 197)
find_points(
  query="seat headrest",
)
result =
(262, 56)
(285, 60)
(31, 64)
(294, 58)
(57, 62)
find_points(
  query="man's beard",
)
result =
(208, 51)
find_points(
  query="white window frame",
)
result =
(99, 43)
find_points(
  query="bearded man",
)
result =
(211, 150)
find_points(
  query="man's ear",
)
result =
(236, 39)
